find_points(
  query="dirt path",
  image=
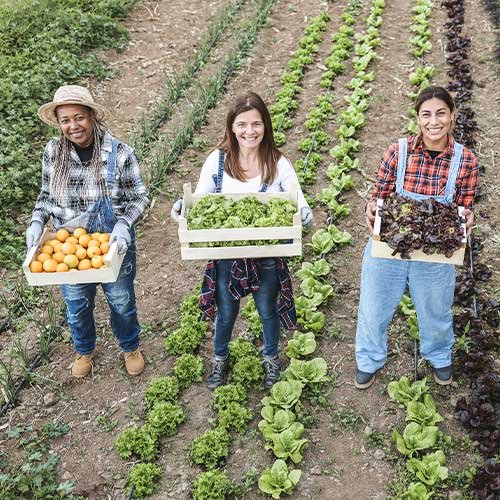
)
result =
(340, 462)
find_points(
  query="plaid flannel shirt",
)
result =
(128, 196)
(428, 176)
(244, 280)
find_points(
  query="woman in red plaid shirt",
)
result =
(428, 165)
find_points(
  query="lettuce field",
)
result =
(339, 78)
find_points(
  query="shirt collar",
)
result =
(415, 142)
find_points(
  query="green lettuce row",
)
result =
(286, 102)
(318, 117)
(420, 45)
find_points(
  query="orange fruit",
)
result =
(36, 266)
(104, 247)
(58, 256)
(84, 240)
(68, 248)
(71, 260)
(43, 257)
(84, 264)
(94, 243)
(92, 251)
(50, 265)
(103, 237)
(53, 242)
(95, 236)
(62, 267)
(81, 253)
(62, 234)
(72, 239)
(48, 249)
(97, 261)
(79, 231)
(58, 247)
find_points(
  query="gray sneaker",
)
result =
(272, 367)
(218, 375)
(443, 376)
(363, 380)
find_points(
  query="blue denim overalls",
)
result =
(120, 294)
(384, 281)
(265, 298)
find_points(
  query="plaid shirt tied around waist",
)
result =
(244, 280)
(428, 176)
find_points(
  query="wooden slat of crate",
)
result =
(108, 274)
(384, 251)
(187, 236)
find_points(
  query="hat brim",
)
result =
(47, 112)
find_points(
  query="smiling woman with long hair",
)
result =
(92, 180)
(248, 161)
(429, 164)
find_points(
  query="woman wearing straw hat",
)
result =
(92, 180)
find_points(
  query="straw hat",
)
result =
(69, 94)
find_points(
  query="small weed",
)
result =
(105, 423)
(342, 419)
(375, 439)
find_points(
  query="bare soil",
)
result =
(339, 462)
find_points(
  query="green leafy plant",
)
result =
(161, 389)
(235, 417)
(247, 371)
(210, 448)
(241, 348)
(403, 392)
(212, 485)
(430, 469)
(144, 477)
(140, 441)
(423, 413)
(415, 438)
(306, 372)
(164, 418)
(417, 491)
(278, 479)
(301, 344)
(188, 368)
(288, 443)
(314, 269)
(227, 394)
(284, 394)
(275, 420)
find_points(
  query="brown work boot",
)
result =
(82, 365)
(134, 362)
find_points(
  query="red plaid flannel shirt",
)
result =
(427, 176)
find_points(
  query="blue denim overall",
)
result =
(120, 294)
(265, 298)
(384, 281)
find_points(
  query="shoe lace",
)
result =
(272, 367)
(217, 367)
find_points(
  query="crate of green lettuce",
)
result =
(235, 226)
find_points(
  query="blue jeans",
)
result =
(266, 302)
(120, 295)
(383, 283)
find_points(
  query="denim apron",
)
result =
(431, 285)
(265, 299)
(120, 294)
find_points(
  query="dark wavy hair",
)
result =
(437, 92)
(269, 154)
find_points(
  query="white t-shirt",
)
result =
(285, 177)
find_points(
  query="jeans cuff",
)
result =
(221, 358)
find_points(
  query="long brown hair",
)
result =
(269, 154)
(439, 93)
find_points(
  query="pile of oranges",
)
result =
(71, 252)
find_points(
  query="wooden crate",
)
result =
(383, 250)
(106, 274)
(188, 236)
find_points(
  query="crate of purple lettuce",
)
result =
(423, 230)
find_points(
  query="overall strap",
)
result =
(112, 165)
(400, 175)
(453, 173)
(220, 173)
(264, 187)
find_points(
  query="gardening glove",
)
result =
(176, 210)
(121, 234)
(306, 217)
(33, 233)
